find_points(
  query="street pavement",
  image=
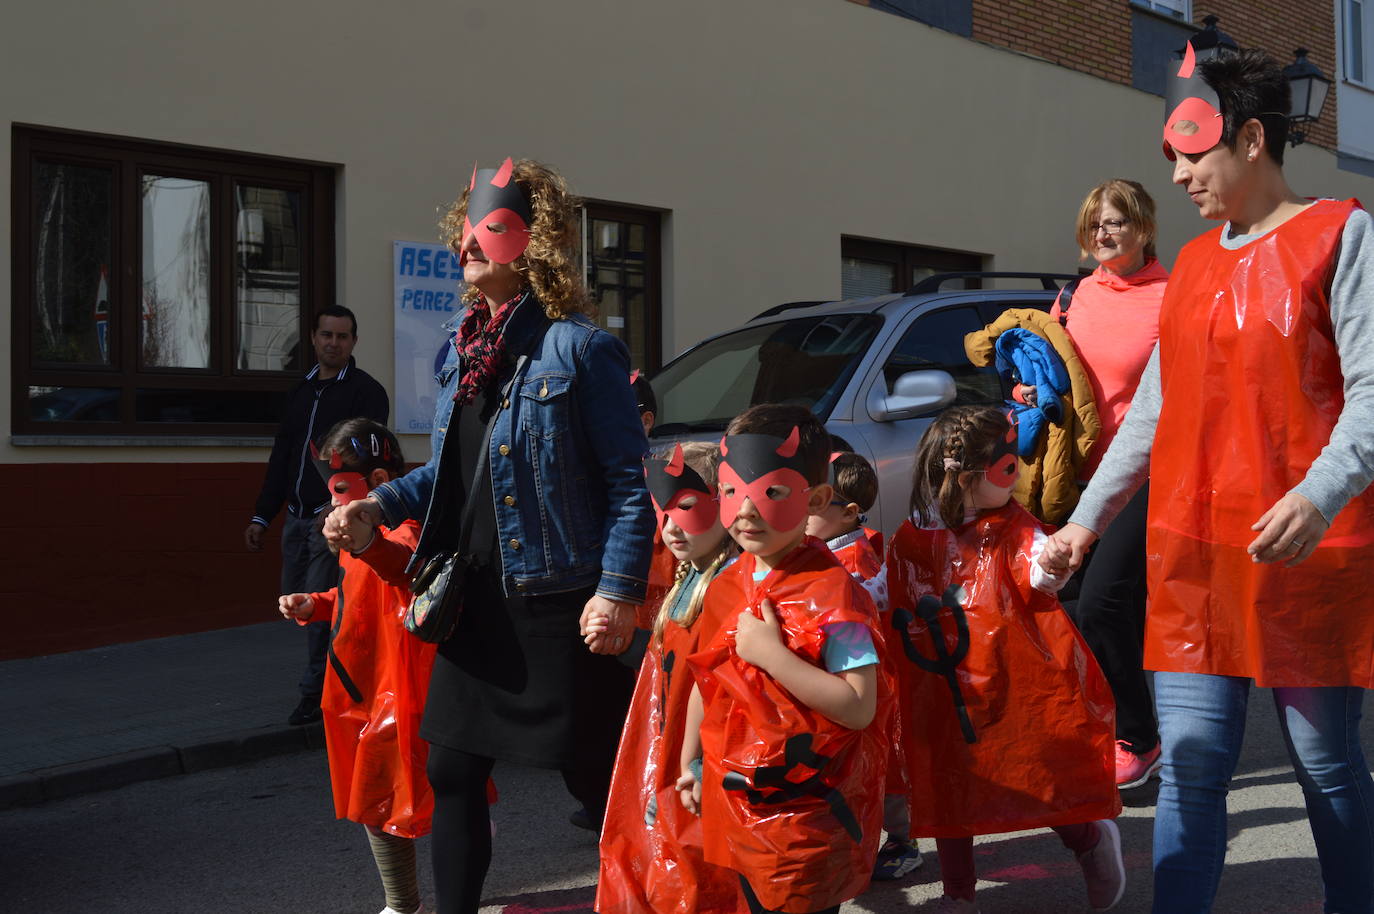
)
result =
(224, 808)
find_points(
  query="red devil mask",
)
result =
(347, 485)
(498, 214)
(1193, 123)
(673, 481)
(1001, 470)
(753, 467)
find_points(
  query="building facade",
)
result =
(189, 183)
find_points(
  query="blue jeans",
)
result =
(1201, 723)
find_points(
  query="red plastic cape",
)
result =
(859, 557)
(1251, 330)
(790, 800)
(651, 847)
(1013, 675)
(662, 567)
(372, 720)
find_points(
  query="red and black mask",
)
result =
(1193, 119)
(1002, 466)
(347, 485)
(673, 481)
(498, 214)
(760, 468)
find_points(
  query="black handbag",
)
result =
(438, 585)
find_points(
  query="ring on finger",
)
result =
(1295, 543)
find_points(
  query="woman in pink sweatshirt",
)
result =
(1112, 316)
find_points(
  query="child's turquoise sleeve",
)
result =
(848, 646)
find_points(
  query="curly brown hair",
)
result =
(966, 435)
(549, 265)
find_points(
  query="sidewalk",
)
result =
(101, 718)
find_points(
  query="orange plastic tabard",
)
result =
(376, 757)
(1252, 388)
(651, 846)
(790, 799)
(1011, 719)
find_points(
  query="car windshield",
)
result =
(806, 361)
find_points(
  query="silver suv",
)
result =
(875, 370)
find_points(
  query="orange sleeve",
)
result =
(389, 553)
(324, 606)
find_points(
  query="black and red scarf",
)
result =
(481, 346)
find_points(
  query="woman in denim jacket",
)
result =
(562, 527)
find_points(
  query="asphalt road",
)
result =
(262, 839)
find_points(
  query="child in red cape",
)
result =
(651, 848)
(1011, 719)
(786, 768)
(374, 693)
(841, 525)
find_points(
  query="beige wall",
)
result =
(767, 129)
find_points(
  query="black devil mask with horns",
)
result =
(348, 485)
(498, 214)
(671, 482)
(1193, 121)
(770, 473)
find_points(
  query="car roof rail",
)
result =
(1048, 281)
(788, 306)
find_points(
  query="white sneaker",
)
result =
(1104, 873)
(390, 910)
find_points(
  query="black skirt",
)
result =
(516, 683)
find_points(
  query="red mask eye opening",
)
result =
(1002, 473)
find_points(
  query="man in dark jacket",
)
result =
(334, 390)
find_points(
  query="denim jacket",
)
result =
(565, 457)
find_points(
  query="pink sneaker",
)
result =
(1104, 873)
(1134, 770)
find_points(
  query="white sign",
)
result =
(428, 293)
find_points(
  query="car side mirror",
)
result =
(913, 394)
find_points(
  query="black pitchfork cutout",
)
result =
(796, 753)
(945, 664)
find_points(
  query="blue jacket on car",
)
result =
(565, 458)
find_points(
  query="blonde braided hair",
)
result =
(704, 458)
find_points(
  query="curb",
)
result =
(60, 781)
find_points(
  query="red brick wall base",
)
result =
(104, 553)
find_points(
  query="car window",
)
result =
(806, 361)
(936, 341)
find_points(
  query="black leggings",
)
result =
(461, 838)
(756, 908)
(1110, 612)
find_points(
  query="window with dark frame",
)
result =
(161, 290)
(621, 245)
(870, 268)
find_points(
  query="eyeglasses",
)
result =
(1111, 226)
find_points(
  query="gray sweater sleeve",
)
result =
(1126, 465)
(1345, 467)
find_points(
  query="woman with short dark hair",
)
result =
(1252, 422)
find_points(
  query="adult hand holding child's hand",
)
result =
(1065, 549)
(351, 526)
